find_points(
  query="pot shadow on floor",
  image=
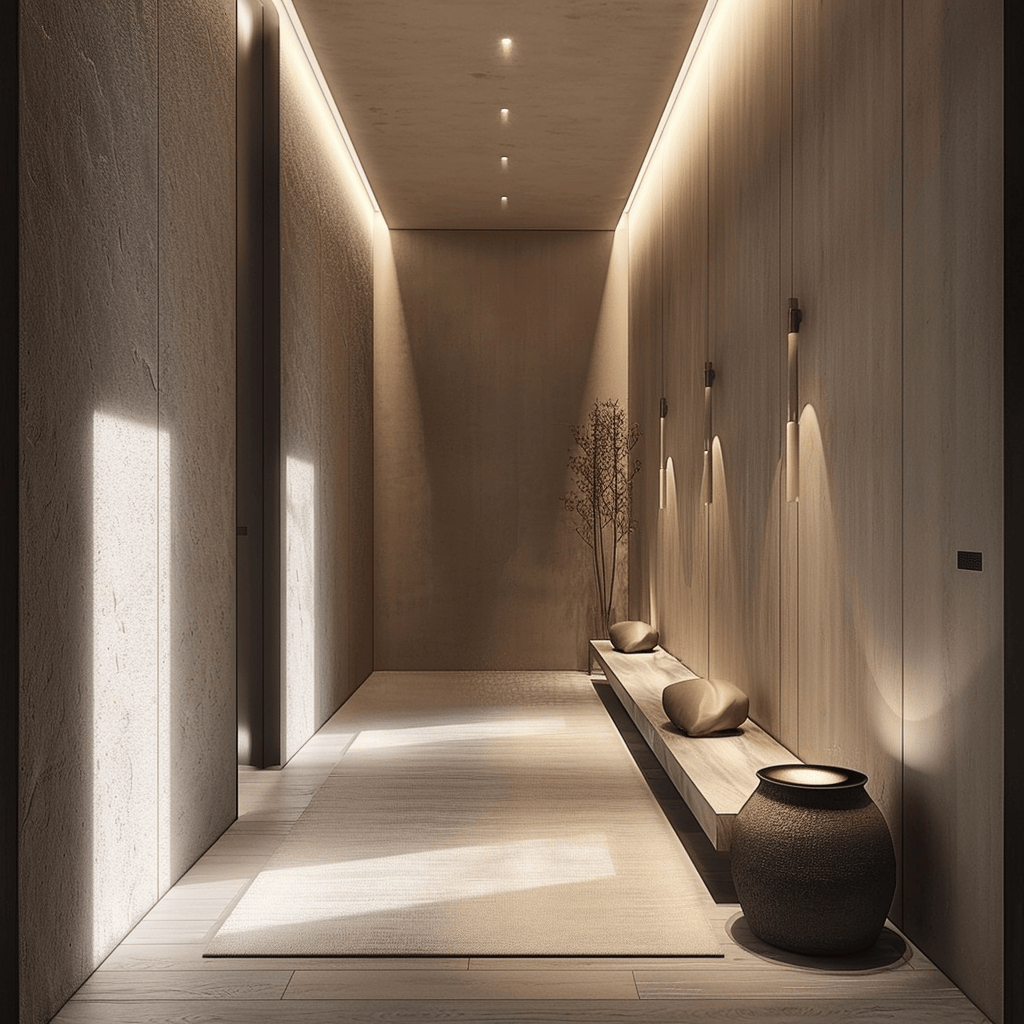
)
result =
(890, 951)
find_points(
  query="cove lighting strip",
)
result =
(698, 35)
(314, 64)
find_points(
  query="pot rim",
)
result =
(849, 778)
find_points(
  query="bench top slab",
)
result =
(718, 773)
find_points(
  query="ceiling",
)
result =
(420, 85)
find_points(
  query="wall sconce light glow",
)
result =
(706, 486)
(300, 603)
(131, 673)
(504, 163)
(506, 46)
(793, 405)
(503, 114)
(504, 202)
(661, 455)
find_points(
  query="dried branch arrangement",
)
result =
(601, 499)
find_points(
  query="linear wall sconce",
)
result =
(706, 488)
(661, 455)
(793, 406)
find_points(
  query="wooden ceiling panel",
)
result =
(420, 84)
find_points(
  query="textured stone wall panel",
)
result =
(197, 412)
(88, 345)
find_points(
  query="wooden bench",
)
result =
(714, 774)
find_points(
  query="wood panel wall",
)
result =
(646, 386)
(489, 347)
(952, 486)
(680, 579)
(846, 272)
(745, 109)
(853, 155)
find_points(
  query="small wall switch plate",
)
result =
(969, 560)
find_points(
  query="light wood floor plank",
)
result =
(476, 985)
(189, 957)
(161, 932)
(195, 908)
(168, 985)
(245, 844)
(579, 963)
(757, 983)
(771, 1011)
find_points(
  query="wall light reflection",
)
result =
(300, 603)
(131, 673)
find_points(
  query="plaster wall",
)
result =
(853, 155)
(326, 408)
(490, 345)
(126, 364)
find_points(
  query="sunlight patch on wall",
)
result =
(300, 604)
(131, 582)
(164, 642)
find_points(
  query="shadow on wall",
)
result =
(500, 335)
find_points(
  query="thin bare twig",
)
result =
(602, 495)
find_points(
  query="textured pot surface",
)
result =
(813, 860)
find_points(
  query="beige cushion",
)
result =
(633, 637)
(700, 706)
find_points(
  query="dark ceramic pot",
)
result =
(813, 861)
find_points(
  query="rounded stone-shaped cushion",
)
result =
(701, 707)
(632, 637)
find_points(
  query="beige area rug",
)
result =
(476, 814)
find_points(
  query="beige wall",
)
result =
(127, 489)
(489, 346)
(850, 157)
(127, 454)
(326, 409)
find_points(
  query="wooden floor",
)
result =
(158, 974)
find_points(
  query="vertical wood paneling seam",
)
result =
(706, 511)
(794, 611)
(901, 889)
